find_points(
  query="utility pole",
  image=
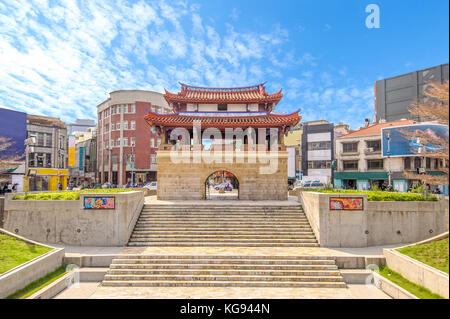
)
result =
(388, 135)
(29, 147)
(132, 163)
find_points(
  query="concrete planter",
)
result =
(377, 223)
(418, 272)
(24, 274)
(67, 222)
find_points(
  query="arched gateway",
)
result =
(222, 185)
(222, 129)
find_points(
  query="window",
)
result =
(125, 141)
(315, 146)
(222, 107)
(133, 141)
(100, 115)
(31, 161)
(40, 139)
(118, 126)
(48, 140)
(375, 145)
(48, 160)
(118, 109)
(112, 143)
(153, 159)
(118, 142)
(407, 163)
(132, 125)
(350, 165)
(319, 164)
(133, 108)
(158, 142)
(428, 162)
(375, 164)
(112, 127)
(40, 160)
(114, 159)
(417, 162)
(113, 109)
(350, 147)
(125, 125)
(152, 142)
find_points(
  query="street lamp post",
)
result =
(132, 163)
(29, 147)
(389, 158)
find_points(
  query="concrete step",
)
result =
(189, 232)
(247, 278)
(226, 239)
(224, 223)
(222, 218)
(219, 244)
(224, 272)
(189, 283)
(126, 264)
(238, 258)
(198, 228)
(234, 215)
(219, 237)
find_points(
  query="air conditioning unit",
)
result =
(370, 149)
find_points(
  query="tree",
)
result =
(8, 161)
(433, 108)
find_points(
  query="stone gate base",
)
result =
(261, 175)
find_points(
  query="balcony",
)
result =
(371, 151)
(356, 153)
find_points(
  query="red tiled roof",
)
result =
(375, 129)
(224, 120)
(195, 94)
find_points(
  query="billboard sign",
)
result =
(403, 145)
(13, 132)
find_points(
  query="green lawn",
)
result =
(70, 195)
(434, 253)
(418, 291)
(38, 284)
(380, 195)
(14, 251)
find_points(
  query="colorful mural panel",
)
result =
(99, 203)
(346, 203)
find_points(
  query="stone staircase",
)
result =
(223, 271)
(239, 226)
(228, 227)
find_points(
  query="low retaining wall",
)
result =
(418, 272)
(375, 223)
(68, 222)
(24, 274)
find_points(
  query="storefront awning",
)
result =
(361, 175)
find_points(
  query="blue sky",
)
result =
(62, 58)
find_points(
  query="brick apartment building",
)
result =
(126, 146)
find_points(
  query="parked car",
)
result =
(151, 186)
(225, 186)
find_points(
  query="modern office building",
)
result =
(317, 151)
(126, 147)
(393, 96)
(80, 125)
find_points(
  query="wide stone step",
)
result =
(215, 207)
(222, 232)
(219, 244)
(225, 239)
(196, 227)
(223, 223)
(227, 257)
(224, 272)
(221, 218)
(223, 278)
(301, 265)
(219, 237)
(273, 284)
(212, 215)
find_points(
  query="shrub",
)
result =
(383, 196)
(69, 195)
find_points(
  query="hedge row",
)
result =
(383, 196)
(68, 195)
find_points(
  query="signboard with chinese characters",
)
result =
(346, 203)
(99, 202)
